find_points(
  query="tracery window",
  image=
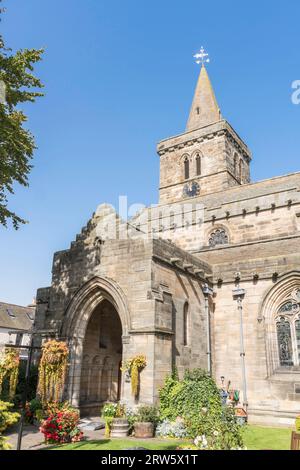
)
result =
(288, 331)
(218, 237)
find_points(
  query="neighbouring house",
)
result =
(19, 320)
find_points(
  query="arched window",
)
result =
(186, 324)
(186, 168)
(288, 331)
(241, 168)
(218, 237)
(235, 164)
(198, 165)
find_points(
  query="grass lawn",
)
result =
(262, 438)
(121, 444)
(255, 438)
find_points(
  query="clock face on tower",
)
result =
(191, 189)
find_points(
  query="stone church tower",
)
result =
(215, 157)
(208, 278)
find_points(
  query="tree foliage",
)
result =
(18, 86)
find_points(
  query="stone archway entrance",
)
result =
(102, 355)
(95, 325)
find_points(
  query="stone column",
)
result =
(74, 375)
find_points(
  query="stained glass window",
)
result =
(287, 307)
(284, 342)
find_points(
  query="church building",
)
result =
(208, 278)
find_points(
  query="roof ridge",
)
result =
(16, 305)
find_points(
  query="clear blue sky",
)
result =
(119, 76)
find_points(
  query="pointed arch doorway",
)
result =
(95, 324)
(102, 356)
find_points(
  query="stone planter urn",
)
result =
(143, 430)
(119, 427)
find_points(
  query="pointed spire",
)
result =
(205, 109)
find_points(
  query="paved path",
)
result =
(33, 439)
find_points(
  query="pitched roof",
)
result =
(16, 317)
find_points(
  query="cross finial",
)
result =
(202, 57)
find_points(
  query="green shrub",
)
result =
(166, 406)
(187, 397)
(148, 414)
(197, 400)
(7, 417)
(34, 408)
(4, 445)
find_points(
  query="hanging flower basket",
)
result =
(52, 370)
(9, 367)
(133, 367)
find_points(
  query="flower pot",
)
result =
(119, 427)
(143, 430)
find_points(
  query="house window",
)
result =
(19, 339)
(218, 237)
(198, 165)
(288, 331)
(186, 168)
(10, 313)
(186, 324)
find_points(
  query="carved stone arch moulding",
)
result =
(281, 303)
(196, 153)
(86, 299)
(182, 158)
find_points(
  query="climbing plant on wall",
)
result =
(133, 367)
(9, 368)
(52, 370)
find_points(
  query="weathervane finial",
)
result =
(202, 57)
